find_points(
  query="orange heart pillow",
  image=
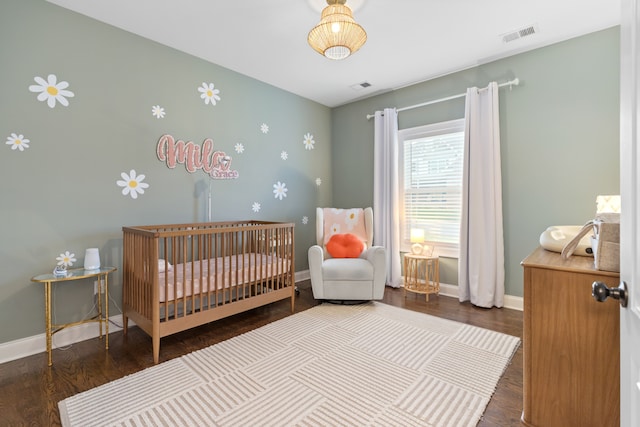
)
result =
(345, 246)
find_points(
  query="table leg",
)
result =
(427, 282)
(47, 319)
(437, 264)
(106, 311)
(427, 278)
(404, 287)
(99, 305)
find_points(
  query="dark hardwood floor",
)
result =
(30, 391)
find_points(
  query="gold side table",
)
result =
(102, 317)
(421, 274)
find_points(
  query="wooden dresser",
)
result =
(571, 371)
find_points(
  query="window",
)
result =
(431, 184)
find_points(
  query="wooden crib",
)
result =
(179, 276)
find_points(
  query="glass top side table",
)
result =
(102, 317)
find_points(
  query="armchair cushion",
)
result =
(345, 246)
(346, 270)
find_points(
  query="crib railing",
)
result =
(175, 270)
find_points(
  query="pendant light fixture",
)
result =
(337, 35)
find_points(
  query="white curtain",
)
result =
(385, 192)
(481, 261)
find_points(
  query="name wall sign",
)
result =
(194, 157)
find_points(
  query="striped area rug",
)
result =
(331, 365)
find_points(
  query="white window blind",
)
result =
(431, 183)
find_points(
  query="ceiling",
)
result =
(408, 40)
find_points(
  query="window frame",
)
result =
(449, 250)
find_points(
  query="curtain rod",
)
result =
(510, 83)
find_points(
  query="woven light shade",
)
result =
(337, 35)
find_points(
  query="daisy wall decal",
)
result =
(284, 155)
(305, 220)
(264, 128)
(255, 207)
(157, 111)
(239, 148)
(318, 182)
(17, 142)
(209, 93)
(280, 190)
(308, 141)
(51, 90)
(66, 259)
(131, 184)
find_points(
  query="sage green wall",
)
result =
(559, 138)
(60, 193)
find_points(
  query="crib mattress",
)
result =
(217, 274)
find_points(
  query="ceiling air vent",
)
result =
(360, 86)
(518, 34)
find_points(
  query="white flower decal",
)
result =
(280, 190)
(264, 128)
(284, 155)
(256, 207)
(209, 93)
(318, 182)
(131, 184)
(67, 259)
(305, 220)
(351, 219)
(308, 141)
(157, 111)
(239, 148)
(51, 91)
(17, 142)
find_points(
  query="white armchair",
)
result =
(361, 278)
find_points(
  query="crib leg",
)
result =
(125, 324)
(156, 349)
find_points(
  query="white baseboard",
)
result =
(28, 346)
(510, 301)
(513, 302)
(302, 275)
